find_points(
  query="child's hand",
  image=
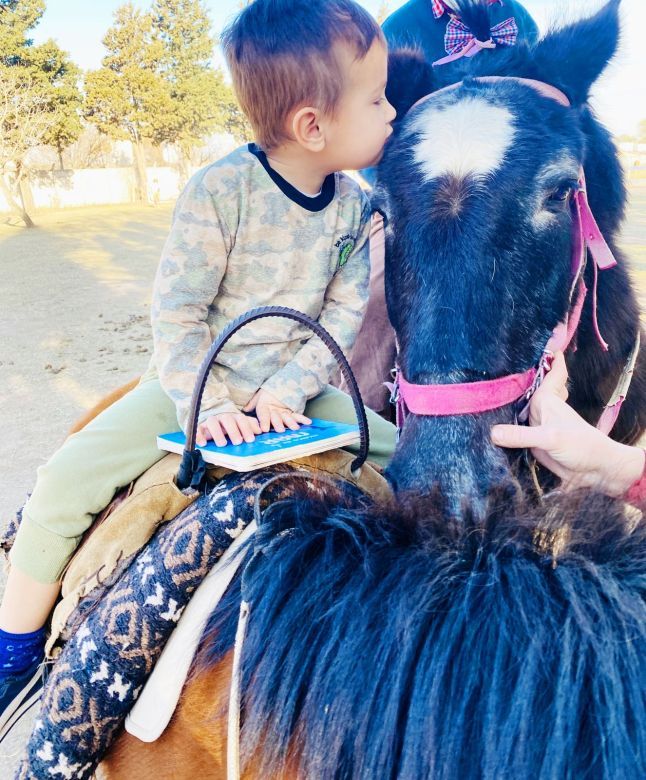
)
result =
(236, 426)
(271, 413)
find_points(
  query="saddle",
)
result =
(127, 524)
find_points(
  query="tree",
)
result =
(127, 97)
(65, 103)
(25, 119)
(40, 82)
(202, 101)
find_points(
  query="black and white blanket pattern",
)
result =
(96, 680)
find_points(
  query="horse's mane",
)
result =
(392, 642)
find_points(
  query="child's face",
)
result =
(356, 135)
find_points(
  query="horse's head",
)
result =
(477, 185)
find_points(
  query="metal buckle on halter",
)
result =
(544, 367)
(396, 400)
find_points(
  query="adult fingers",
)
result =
(518, 436)
(556, 379)
(216, 432)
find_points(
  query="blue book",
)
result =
(270, 447)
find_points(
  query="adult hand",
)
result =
(237, 426)
(567, 445)
(271, 413)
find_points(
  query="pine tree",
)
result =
(202, 101)
(127, 97)
(157, 84)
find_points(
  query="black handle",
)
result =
(192, 469)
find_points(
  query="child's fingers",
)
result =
(556, 379)
(252, 404)
(277, 421)
(245, 424)
(264, 418)
(230, 424)
(302, 419)
(215, 429)
(254, 425)
(289, 420)
(202, 435)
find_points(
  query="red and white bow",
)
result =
(459, 41)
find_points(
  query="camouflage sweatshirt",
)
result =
(243, 237)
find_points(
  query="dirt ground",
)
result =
(74, 324)
(74, 310)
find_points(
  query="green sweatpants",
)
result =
(115, 448)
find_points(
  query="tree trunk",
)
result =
(16, 204)
(141, 180)
(184, 163)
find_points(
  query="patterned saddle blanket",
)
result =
(125, 591)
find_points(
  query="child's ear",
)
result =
(307, 130)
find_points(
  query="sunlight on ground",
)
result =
(101, 240)
(634, 239)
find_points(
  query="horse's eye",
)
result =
(562, 193)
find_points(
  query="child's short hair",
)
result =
(281, 55)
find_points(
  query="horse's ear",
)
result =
(575, 56)
(410, 77)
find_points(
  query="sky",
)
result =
(619, 97)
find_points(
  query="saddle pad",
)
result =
(122, 531)
(101, 671)
(157, 702)
(152, 500)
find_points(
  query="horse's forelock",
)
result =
(476, 15)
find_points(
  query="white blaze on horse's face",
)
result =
(467, 138)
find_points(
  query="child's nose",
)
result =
(392, 113)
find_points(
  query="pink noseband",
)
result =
(477, 397)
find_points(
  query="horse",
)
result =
(467, 628)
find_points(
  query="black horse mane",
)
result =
(390, 641)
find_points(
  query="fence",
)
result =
(97, 186)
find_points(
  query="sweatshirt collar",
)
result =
(316, 203)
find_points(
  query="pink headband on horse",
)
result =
(477, 397)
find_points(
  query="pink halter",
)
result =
(477, 397)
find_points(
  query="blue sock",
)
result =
(20, 651)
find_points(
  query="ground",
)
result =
(74, 311)
(74, 324)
